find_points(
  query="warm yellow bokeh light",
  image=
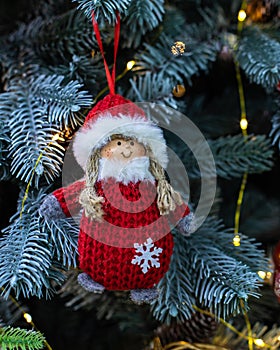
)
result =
(236, 241)
(241, 16)
(130, 65)
(243, 124)
(27, 317)
(262, 274)
(259, 342)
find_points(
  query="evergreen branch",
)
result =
(142, 17)
(30, 134)
(10, 313)
(233, 156)
(63, 102)
(4, 142)
(17, 338)
(152, 88)
(253, 156)
(207, 269)
(84, 69)
(63, 236)
(159, 59)
(176, 295)
(275, 129)
(56, 39)
(258, 55)
(25, 260)
(103, 9)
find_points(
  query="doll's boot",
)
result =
(89, 284)
(140, 296)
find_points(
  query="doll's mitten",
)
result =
(187, 225)
(50, 209)
(140, 296)
(89, 284)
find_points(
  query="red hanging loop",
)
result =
(111, 77)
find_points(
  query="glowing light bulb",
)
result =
(55, 137)
(241, 16)
(259, 342)
(130, 65)
(262, 274)
(243, 123)
(27, 317)
(236, 241)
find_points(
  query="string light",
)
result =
(260, 343)
(241, 16)
(130, 65)
(236, 240)
(178, 48)
(262, 274)
(27, 317)
(244, 124)
(257, 341)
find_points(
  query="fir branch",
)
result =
(176, 295)
(25, 259)
(10, 313)
(103, 9)
(31, 136)
(56, 39)
(275, 129)
(86, 69)
(17, 338)
(233, 156)
(142, 17)
(63, 235)
(4, 142)
(258, 55)
(152, 88)
(63, 102)
(207, 269)
(159, 59)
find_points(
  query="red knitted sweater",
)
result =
(132, 247)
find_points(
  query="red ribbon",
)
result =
(111, 77)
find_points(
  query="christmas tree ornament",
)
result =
(179, 90)
(178, 48)
(276, 276)
(127, 203)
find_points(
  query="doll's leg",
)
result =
(89, 284)
(140, 296)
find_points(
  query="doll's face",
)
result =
(123, 149)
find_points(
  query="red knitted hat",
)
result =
(116, 115)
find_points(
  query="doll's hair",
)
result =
(167, 197)
(89, 199)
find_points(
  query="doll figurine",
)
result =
(127, 203)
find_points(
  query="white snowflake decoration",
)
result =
(148, 255)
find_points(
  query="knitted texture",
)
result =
(126, 208)
(106, 249)
(68, 198)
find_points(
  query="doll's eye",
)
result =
(119, 143)
(131, 143)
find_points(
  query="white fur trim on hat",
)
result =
(98, 133)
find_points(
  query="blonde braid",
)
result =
(89, 199)
(167, 198)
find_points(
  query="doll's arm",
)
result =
(63, 202)
(186, 223)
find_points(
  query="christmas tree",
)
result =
(210, 66)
